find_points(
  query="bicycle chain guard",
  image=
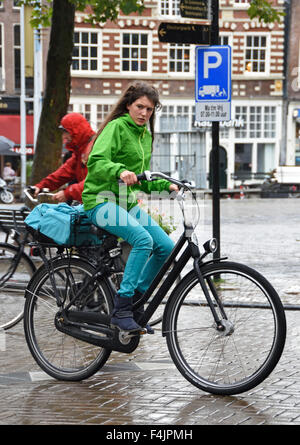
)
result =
(94, 328)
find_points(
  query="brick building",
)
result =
(108, 57)
(292, 96)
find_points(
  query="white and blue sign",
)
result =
(213, 83)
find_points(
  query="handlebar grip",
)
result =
(140, 177)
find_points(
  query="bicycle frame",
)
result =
(191, 251)
(17, 257)
(68, 320)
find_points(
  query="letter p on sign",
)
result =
(212, 60)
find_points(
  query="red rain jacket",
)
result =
(75, 167)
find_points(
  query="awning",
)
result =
(10, 127)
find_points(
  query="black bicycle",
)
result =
(17, 262)
(224, 322)
(19, 259)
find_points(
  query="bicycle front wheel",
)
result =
(13, 281)
(246, 351)
(58, 354)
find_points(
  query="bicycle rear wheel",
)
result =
(247, 350)
(13, 284)
(58, 354)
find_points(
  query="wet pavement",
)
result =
(145, 388)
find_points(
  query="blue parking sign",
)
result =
(213, 83)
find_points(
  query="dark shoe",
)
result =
(122, 316)
(139, 312)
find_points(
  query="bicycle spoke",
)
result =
(250, 342)
(60, 355)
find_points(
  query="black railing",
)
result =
(243, 176)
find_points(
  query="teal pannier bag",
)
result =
(62, 224)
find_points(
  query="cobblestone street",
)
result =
(145, 388)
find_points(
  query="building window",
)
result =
(242, 2)
(243, 159)
(259, 122)
(134, 52)
(176, 118)
(86, 51)
(17, 56)
(255, 128)
(269, 124)
(169, 7)
(255, 55)
(102, 112)
(223, 40)
(85, 110)
(241, 113)
(179, 58)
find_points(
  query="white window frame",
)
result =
(177, 106)
(89, 72)
(88, 107)
(171, 10)
(230, 38)
(149, 54)
(267, 57)
(191, 71)
(242, 3)
(248, 134)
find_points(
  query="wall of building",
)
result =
(110, 56)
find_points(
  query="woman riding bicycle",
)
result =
(122, 149)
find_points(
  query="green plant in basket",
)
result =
(164, 221)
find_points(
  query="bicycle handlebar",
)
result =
(28, 191)
(151, 176)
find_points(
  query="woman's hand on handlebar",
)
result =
(36, 190)
(174, 188)
(128, 177)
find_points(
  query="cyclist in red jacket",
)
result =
(78, 138)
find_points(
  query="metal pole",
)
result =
(37, 96)
(215, 158)
(37, 82)
(22, 103)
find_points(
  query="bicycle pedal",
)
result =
(128, 333)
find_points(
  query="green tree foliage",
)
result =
(100, 10)
(60, 14)
(264, 11)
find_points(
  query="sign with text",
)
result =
(195, 9)
(213, 83)
(184, 33)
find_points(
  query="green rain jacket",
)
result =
(122, 145)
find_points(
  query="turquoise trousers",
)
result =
(143, 234)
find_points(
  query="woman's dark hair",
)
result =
(130, 95)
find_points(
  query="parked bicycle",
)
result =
(19, 260)
(224, 323)
(17, 263)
